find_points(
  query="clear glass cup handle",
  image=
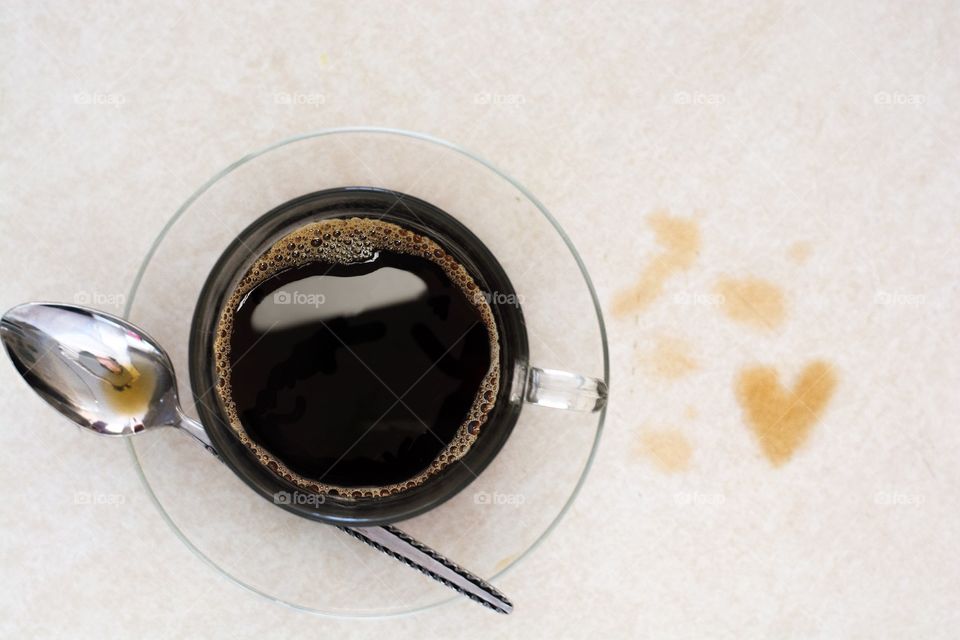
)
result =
(565, 390)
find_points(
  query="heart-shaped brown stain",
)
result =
(782, 419)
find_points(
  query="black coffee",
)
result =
(357, 358)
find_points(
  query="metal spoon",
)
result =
(108, 376)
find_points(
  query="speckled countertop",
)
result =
(766, 196)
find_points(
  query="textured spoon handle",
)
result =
(394, 542)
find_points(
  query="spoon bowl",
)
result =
(100, 371)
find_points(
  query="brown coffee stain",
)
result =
(799, 252)
(671, 358)
(782, 419)
(668, 449)
(504, 563)
(753, 302)
(679, 240)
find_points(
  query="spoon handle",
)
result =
(396, 543)
(196, 430)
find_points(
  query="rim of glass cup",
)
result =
(523, 190)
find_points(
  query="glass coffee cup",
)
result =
(248, 256)
(532, 470)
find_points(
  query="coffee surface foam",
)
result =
(348, 241)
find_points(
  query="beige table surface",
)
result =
(766, 195)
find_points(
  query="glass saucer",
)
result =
(489, 527)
